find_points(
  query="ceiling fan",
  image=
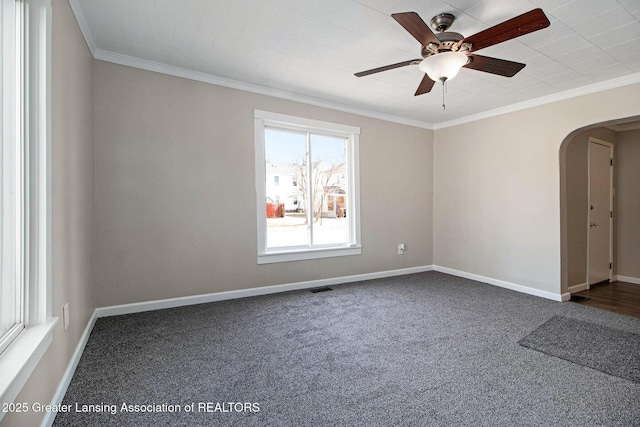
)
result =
(444, 53)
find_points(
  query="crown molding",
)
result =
(561, 96)
(158, 67)
(84, 26)
(171, 70)
(162, 68)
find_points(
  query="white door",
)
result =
(600, 210)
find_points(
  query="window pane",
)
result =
(9, 183)
(8, 287)
(330, 187)
(313, 211)
(285, 158)
(8, 309)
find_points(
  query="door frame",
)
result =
(611, 192)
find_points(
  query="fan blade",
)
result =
(526, 23)
(487, 64)
(412, 22)
(386, 67)
(425, 86)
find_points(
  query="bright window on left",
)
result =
(26, 324)
(11, 176)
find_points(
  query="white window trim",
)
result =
(19, 360)
(265, 118)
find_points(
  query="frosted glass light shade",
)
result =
(443, 65)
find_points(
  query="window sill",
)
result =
(285, 256)
(19, 360)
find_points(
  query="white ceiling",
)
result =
(309, 49)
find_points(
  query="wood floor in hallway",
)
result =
(619, 297)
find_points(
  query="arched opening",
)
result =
(624, 135)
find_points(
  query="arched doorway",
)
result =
(624, 135)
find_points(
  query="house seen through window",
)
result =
(307, 174)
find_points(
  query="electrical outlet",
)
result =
(401, 249)
(65, 315)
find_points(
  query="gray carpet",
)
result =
(588, 344)
(424, 349)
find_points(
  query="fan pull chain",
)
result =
(443, 79)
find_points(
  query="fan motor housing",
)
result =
(448, 43)
(448, 39)
(442, 22)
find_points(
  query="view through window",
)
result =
(307, 185)
(307, 206)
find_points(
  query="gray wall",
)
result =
(577, 198)
(627, 154)
(175, 190)
(72, 206)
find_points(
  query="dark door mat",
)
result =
(595, 346)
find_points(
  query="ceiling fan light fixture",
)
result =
(443, 66)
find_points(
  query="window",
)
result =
(10, 181)
(318, 214)
(25, 324)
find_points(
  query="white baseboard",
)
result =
(116, 310)
(634, 280)
(71, 369)
(578, 288)
(503, 284)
